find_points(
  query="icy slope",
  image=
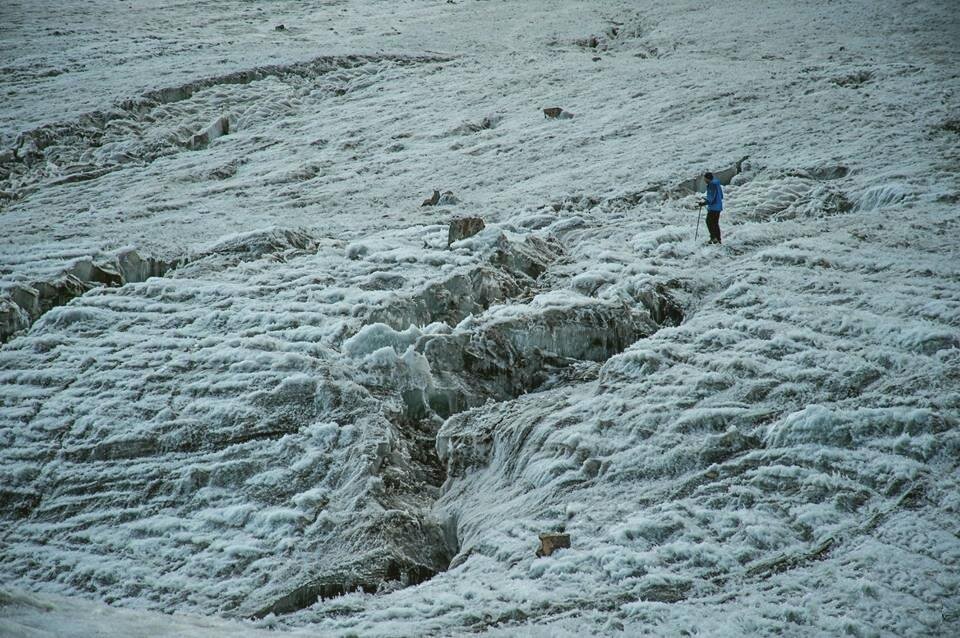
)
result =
(209, 423)
(322, 397)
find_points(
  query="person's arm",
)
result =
(711, 194)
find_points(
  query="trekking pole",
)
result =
(696, 234)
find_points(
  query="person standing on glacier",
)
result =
(714, 203)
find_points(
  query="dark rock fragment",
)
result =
(432, 200)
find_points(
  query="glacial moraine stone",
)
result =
(549, 543)
(432, 200)
(464, 227)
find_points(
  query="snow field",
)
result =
(774, 453)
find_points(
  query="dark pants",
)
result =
(713, 225)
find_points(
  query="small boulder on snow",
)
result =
(550, 542)
(432, 200)
(556, 113)
(447, 198)
(463, 227)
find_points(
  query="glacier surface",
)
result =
(247, 388)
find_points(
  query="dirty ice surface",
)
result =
(247, 384)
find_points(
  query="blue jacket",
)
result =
(714, 196)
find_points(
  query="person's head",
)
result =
(708, 176)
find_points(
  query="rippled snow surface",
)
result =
(248, 385)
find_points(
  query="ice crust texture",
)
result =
(322, 399)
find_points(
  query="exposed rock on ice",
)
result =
(557, 113)
(433, 200)
(549, 543)
(446, 198)
(463, 227)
